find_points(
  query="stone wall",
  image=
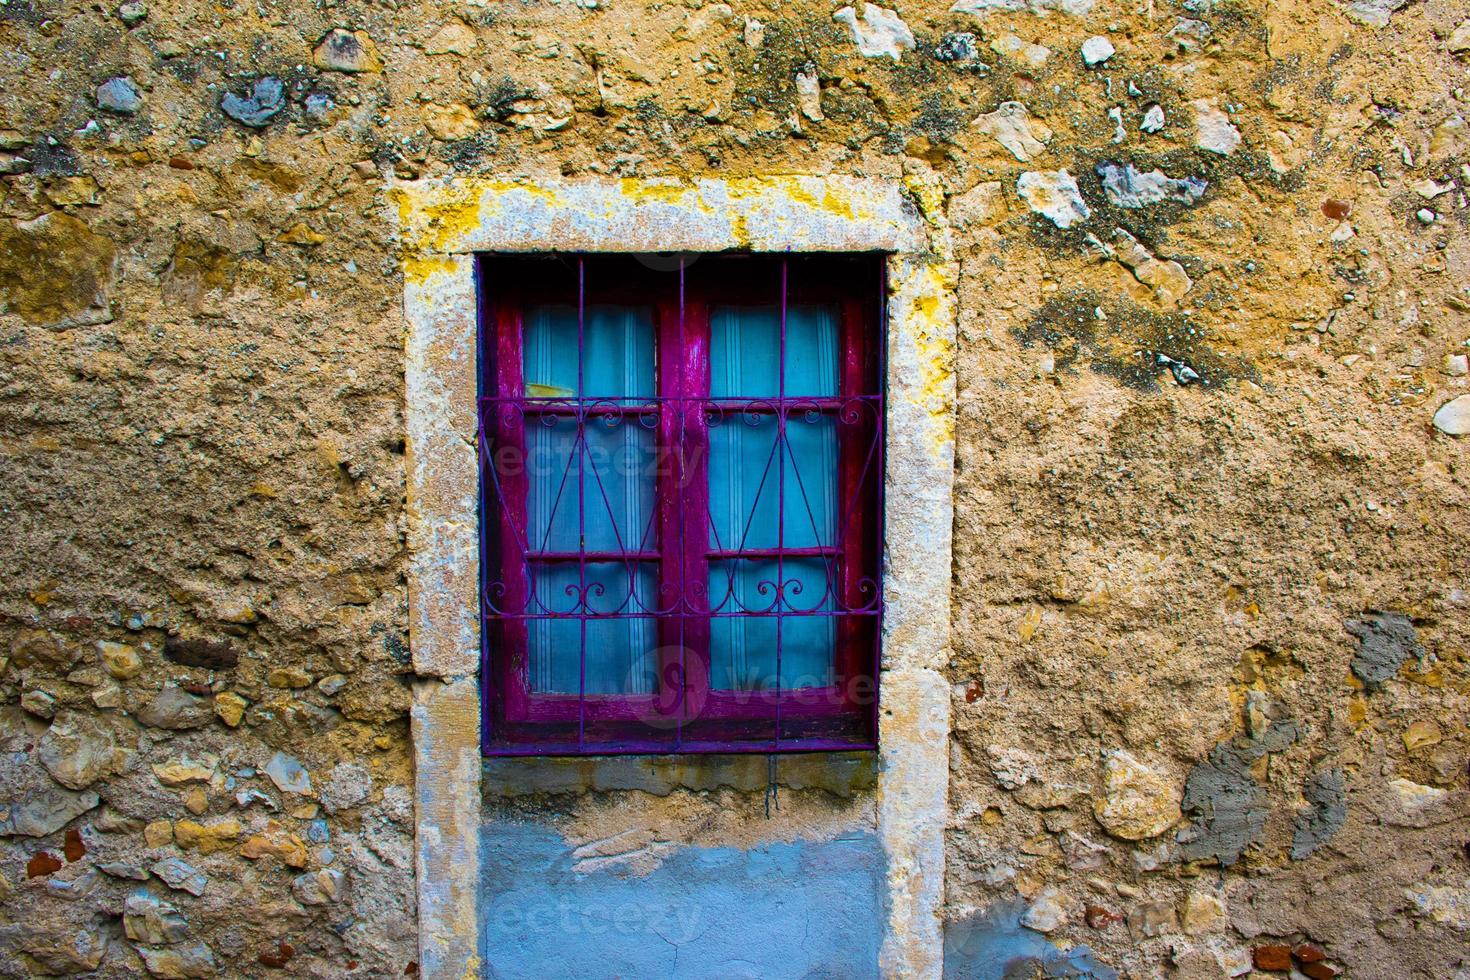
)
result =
(1210, 587)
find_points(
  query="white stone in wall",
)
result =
(1459, 41)
(1213, 129)
(1153, 119)
(1055, 195)
(1373, 13)
(1046, 913)
(1011, 46)
(1096, 50)
(1453, 417)
(981, 8)
(1444, 904)
(881, 33)
(1012, 127)
(809, 94)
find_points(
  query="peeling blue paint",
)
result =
(804, 910)
(993, 945)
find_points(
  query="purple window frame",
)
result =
(683, 715)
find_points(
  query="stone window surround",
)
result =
(440, 225)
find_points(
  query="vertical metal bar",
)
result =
(881, 436)
(483, 457)
(682, 482)
(581, 447)
(780, 493)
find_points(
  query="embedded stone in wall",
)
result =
(980, 205)
(1445, 904)
(1125, 187)
(288, 774)
(1373, 13)
(40, 810)
(809, 94)
(217, 835)
(1410, 804)
(1165, 277)
(881, 33)
(1046, 912)
(69, 949)
(179, 962)
(186, 769)
(1453, 417)
(1203, 913)
(121, 660)
(981, 8)
(180, 875)
(450, 122)
(1213, 129)
(151, 922)
(77, 750)
(1096, 50)
(994, 945)
(266, 99)
(323, 887)
(1137, 802)
(1054, 194)
(1459, 40)
(1012, 127)
(1012, 47)
(55, 271)
(176, 709)
(346, 51)
(119, 95)
(454, 37)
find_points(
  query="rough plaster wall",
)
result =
(1251, 580)
(202, 435)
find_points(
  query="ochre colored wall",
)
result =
(1210, 579)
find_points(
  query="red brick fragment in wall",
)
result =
(1309, 952)
(1100, 918)
(74, 848)
(44, 863)
(278, 957)
(1272, 956)
(1320, 971)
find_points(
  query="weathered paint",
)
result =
(440, 225)
(993, 945)
(446, 741)
(794, 909)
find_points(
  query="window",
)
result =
(681, 468)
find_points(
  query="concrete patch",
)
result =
(1385, 641)
(1321, 821)
(1228, 805)
(993, 945)
(797, 909)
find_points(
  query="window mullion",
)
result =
(695, 494)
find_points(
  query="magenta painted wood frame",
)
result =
(683, 714)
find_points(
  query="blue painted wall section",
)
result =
(805, 910)
(993, 945)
